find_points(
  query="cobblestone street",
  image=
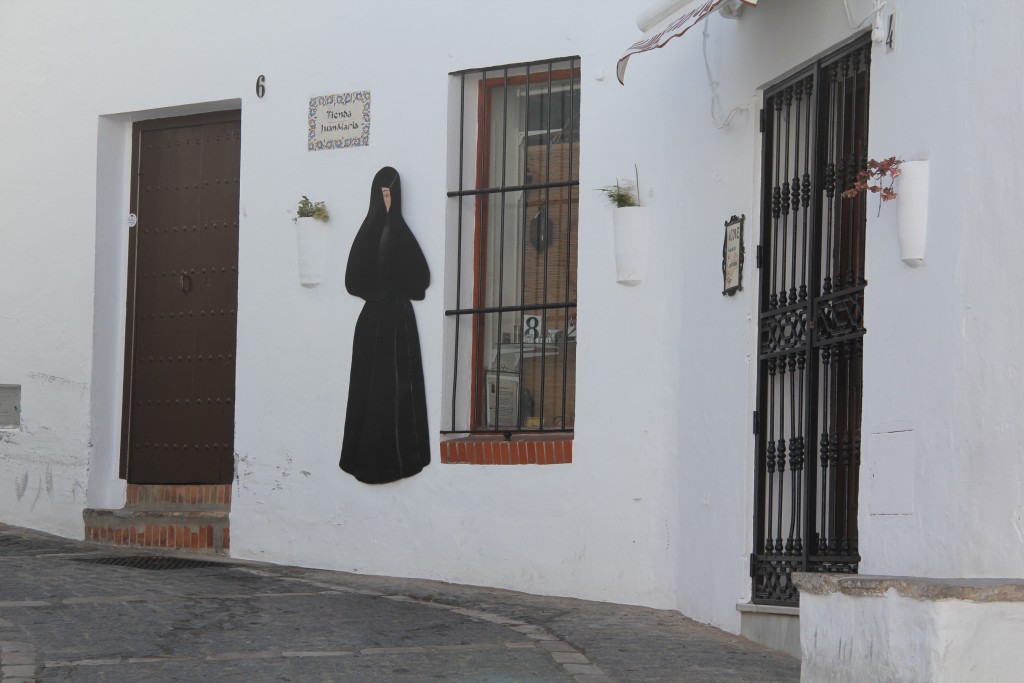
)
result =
(67, 613)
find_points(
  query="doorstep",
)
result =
(185, 516)
(776, 627)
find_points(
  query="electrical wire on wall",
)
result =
(716, 103)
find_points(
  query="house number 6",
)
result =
(261, 88)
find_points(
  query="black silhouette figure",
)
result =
(386, 420)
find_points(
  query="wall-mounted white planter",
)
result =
(311, 235)
(912, 211)
(631, 228)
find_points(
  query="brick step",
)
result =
(178, 497)
(204, 531)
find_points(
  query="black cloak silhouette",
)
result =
(386, 420)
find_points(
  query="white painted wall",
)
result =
(601, 527)
(943, 353)
(714, 174)
(897, 639)
(656, 509)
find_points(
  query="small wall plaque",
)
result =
(10, 406)
(339, 121)
(732, 256)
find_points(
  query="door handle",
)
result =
(186, 283)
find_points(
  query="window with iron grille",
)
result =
(513, 188)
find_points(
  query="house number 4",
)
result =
(261, 87)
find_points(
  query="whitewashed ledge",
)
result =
(918, 588)
(856, 628)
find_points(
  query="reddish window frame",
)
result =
(484, 111)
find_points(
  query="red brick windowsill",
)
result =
(533, 449)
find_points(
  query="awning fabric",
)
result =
(673, 25)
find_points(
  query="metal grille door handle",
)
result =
(186, 283)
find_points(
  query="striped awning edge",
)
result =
(674, 25)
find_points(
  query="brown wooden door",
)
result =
(179, 400)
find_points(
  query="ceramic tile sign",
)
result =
(732, 256)
(339, 121)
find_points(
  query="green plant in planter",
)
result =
(623, 193)
(308, 209)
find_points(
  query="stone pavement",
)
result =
(66, 617)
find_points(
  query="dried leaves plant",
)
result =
(871, 179)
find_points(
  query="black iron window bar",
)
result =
(811, 326)
(556, 296)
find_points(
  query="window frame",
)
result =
(564, 74)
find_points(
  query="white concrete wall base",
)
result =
(777, 628)
(908, 629)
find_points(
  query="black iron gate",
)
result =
(811, 325)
